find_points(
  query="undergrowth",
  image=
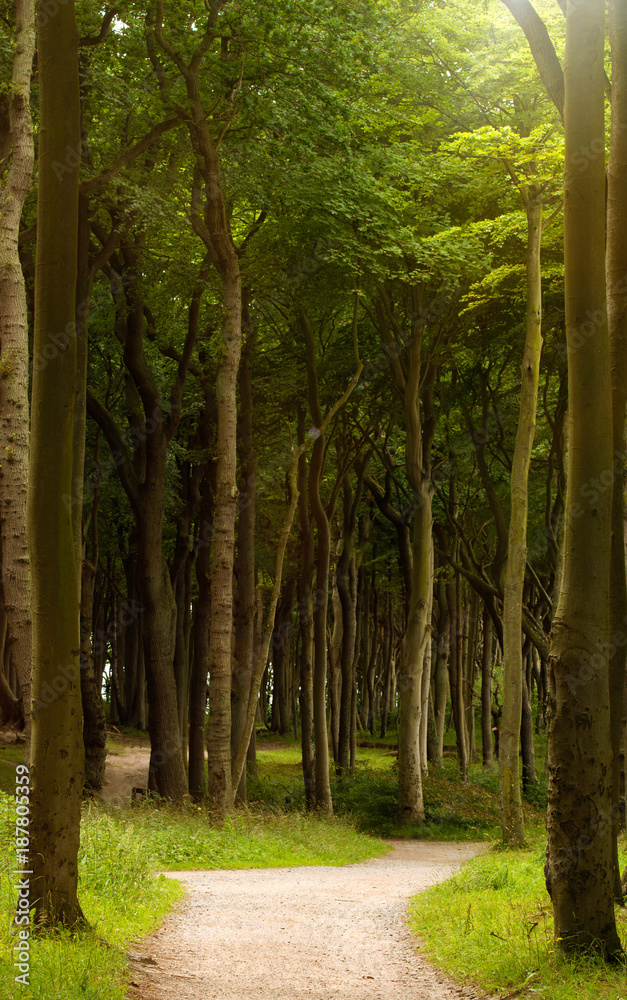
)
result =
(124, 896)
(455, 810)
(123, 851)
(491, 925)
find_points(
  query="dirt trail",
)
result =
(300, 933)
(125, 770)
(291, 933)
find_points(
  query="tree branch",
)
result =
(120, 451)
(104, 29)
(542, 49)
(128, 155)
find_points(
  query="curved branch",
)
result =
(104, 29)
(128, 155)
(542, 49)
(120, 451)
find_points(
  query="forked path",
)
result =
(300, 933)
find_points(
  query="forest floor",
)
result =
(310, 933)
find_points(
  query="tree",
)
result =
(580, 859)
(57, 755)
(616, 267)
(14, 427)
(511, 806)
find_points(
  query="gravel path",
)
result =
(300, 933)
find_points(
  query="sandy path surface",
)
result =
(300, 933)
(125, 770)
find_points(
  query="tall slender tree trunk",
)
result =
(440, 681)
(616, 263)
(372, 659)
(512, 821)
(425, 717)
(527, 752)
(200, 639)
(580, 861)
(388, 642)
(219, 790)
(486, 690)
(455, 678)
(304, 587)
(347, 586)
(14, 420)
(94, 720)
(57, 755)
(245, 563)
(323, 801)
(415, 388)
(410, 798)
(167, 770)
(335, 674)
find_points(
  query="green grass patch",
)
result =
(183, 839)
(455, 810)
(9, 757)
(491, 925)
(124, 896)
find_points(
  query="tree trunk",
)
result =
(10, 705)
(440, 683)
(616, 263)
(14, 423)
(219, 790)
(580, 861)
(200, 638)
(245, 563)
(512, 820)
(167, 770)
(486, 691)
(527, 752)
(373, 632)
(335, 673)
(388, 643)
(323, 802)
(304, 588)
(424, 710)
(57, 755)
(346, 587)
(455, 680)
(94, 720)
(410, 799)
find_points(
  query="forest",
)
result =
(313, 378)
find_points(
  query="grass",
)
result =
(124, 896)
(454, 810)
(9, 757)
(368, 797)
(122, 852)
(182, 839)
(491, 926)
